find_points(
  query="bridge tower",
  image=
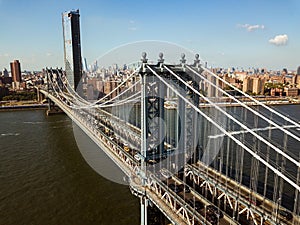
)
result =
(188, 117)
(153, 121)
(53, 76)
(152, 124)
(153, 97)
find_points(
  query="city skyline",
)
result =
(253, 33)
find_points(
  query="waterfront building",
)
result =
(247, 84)
(258, 85)
(15, 68)
(276, 92)
(296, 78)
(297, 81)
(72, 48)
(291, 91)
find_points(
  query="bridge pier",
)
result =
(40, 96)
(52, 108)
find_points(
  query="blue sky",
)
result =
(226, 33)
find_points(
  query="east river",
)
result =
(44, 180)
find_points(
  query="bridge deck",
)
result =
(174, 205)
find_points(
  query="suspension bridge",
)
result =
(171, 130)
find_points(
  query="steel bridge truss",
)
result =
(196, 91)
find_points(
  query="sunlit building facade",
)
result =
(72, 48)
(15, 68)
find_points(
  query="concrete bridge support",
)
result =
(52, 108)
(40, 96)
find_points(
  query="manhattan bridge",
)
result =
(198, 153)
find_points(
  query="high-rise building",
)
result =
(84, 65)
(296, 78)
(258, 85)
(72, 48)
(5, 73)
(15, 69)
(247, 84)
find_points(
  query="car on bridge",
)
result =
(152, 161)
(138, 156)
(126, 147)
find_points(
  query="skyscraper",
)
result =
(15, 69)
(84, 65)
(72, 48)
(5, 72)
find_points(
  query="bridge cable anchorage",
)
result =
(235, 120)
(250, 97)
(282, 128)
(276, 171)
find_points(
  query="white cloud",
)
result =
(279, 40)
(132, 28)
(49, 54)
(251, 28)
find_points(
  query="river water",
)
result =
(44, 179)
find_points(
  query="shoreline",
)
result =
(269, 103)
(23, 107)
(45, 106)
(233, 104)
